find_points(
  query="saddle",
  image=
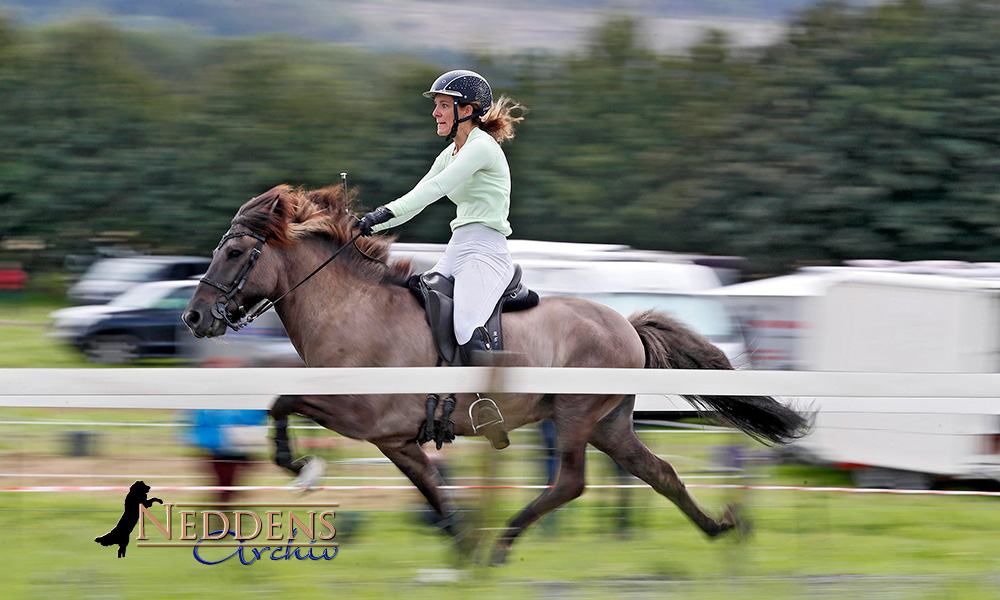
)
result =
(435, 293)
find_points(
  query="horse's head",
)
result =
(243, 272)
(253, 260)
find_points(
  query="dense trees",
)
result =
(867, 132)
(871, 133)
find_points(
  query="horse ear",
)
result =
(277, 201)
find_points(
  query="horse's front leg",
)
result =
(412, 461)
(283, 407)
(308, 469)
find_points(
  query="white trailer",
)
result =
(905, 323)
(881, 320)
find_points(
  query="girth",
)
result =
(436, 292)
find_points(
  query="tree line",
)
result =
(866, 132)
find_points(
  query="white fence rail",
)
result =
(255, 388)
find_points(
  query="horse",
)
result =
(359, 312)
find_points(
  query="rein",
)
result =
(220, 308)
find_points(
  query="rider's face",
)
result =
(444, 113)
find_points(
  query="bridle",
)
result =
(221, 306)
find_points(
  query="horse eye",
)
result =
(234, 253)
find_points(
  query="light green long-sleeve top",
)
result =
(476, 179)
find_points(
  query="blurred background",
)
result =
(810, 185)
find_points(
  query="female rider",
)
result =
(472, 171)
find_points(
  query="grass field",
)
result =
(803, 545)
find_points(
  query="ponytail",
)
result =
(499, 122)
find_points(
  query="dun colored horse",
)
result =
(358, 312)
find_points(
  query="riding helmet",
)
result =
(467, 87)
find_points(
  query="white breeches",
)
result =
(478, 259)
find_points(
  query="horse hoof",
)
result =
(463, 536)
(737, 518)
(498, 557)
(310, 474)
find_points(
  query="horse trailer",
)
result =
(884, 320)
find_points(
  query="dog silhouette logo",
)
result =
(135, 497)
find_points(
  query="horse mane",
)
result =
(286, 215)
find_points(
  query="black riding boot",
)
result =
(487, 418)
(476, 352)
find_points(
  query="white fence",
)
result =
(256, 388)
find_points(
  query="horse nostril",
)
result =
(192, 318)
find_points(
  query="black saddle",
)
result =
(434, 291)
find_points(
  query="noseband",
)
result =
(220, 308)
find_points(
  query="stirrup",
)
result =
(490, 422)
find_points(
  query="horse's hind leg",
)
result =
(614, 436)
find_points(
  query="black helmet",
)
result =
(467, 87)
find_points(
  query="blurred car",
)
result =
(143, 322)
(109, 277)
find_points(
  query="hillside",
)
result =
(431, 25)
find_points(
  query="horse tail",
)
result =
(670, 345)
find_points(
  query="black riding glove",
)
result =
(375, 217)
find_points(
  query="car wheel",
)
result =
(113, 349)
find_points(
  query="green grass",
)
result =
(923, 547)
(29, 308)
(24, 339)
(29, 347)
(802, 544)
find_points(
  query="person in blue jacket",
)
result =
(223, 434)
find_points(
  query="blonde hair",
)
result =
(499, 122)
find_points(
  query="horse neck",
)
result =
(331, 316)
